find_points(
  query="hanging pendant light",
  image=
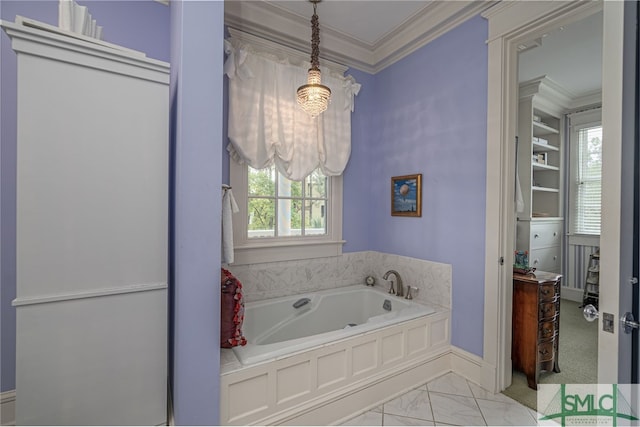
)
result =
(314, 96)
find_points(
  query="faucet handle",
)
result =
(409, 289)
(392, 291)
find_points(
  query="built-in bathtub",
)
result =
(283, 326)
(342, 349)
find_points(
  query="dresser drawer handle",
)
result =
(555, 234)
(535, 236)
(546, 331)
(555, 258)
(545, 292)
(536, 261)
(544, 352)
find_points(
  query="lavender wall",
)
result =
(431, 118)
(425, 114)
(122, 22)
(357, 188)
(197, 30)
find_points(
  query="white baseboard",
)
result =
(8, 408)
(473, 368)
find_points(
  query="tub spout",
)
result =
(301, 302)
(400, 287)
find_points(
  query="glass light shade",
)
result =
(314, 96)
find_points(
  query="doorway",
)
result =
(559, 158)
(510, 25)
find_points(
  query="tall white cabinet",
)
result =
(540, 170)
(92, 231)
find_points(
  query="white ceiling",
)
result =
(367, 35)
(570, 56)
(371, 35)
(367, 22)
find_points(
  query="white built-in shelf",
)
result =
(543, 167)
(543, 129)
(543, 218)
(545, 189)
(537, 147)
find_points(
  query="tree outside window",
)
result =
(279, 207)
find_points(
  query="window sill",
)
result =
(254, 253)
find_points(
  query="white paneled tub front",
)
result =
(307, 353)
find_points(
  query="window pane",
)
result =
(316, 184)
(279, 207)
(315, 218)
(262, 213)
(288, 188)
(289, 217)
(587, 214)
(262, 182)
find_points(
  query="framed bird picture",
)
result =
(406, 195)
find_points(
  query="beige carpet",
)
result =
(578, 356)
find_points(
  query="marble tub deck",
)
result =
(448, 400)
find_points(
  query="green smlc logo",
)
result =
(583, 406)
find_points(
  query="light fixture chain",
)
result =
(315, 39)
(314, 97)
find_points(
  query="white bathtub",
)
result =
(275, 328)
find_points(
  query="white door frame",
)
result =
(511, 23)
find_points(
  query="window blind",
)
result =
(588, 184)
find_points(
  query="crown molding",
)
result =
(589, 99)
(548, 93)
(268, 21)
(282, 51)
(556, 97)
(429, 23)
(275, 24)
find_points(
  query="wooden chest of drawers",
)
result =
(536, 324)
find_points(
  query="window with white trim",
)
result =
(282, 219)
(279, 207)
(586, 188)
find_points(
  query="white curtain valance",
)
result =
(266, 125)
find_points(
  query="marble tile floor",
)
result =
(448, 400)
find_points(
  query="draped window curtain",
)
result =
(266, 125)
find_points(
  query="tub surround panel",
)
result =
(439, 332)
(250, 395)
(341, 410)
(392, 348)
(364, 357)
(313, 381)
(278, 279)
(416, 340)
(294, 381)
(433, 279)
(332, 368)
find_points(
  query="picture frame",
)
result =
(406, 195)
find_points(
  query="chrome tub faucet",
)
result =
(400, 288)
